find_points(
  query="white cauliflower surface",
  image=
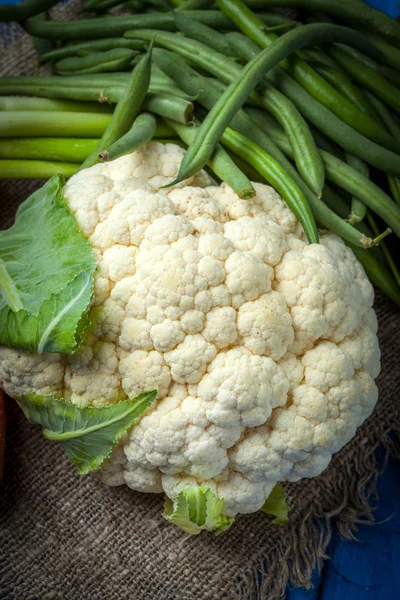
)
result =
(263, 348)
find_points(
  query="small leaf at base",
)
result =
(196, 509)
(87, 435)
(276, 505)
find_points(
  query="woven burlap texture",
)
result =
(69, 537)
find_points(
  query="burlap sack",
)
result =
(68, 537)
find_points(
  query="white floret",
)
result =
(242, 389)
(266, 325)
(220, 327)
(260, 236)
(247, 277)
(189, 360)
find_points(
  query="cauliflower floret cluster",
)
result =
(263, 347)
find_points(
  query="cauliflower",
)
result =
(263, 348)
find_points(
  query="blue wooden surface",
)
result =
(369, 567)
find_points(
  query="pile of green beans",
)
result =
(307, 102)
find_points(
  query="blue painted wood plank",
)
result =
(368, 568)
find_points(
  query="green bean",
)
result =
(77, 93)
(50, 124)
(247, 169)
(51, 149)
(203, 33)
(164, 131)
(237, 92)
(103, 6)
(35, 169)
(97, 62)
(92, 46)
(394, 184)
(24, 10)
(170, 107)
(384, 114)
(271, 170)
(311, 81)
(191, 81)
(89, 29)
(391, 53)
(345, 85)
(336, 202)
(341, 207)
(358, 208)
(141, 133)
(194, 5)
(385, 250)
(354, 182)
(347, 178)
(235, 96)
(219, 162)
(127, 108)
(346, 10)
(90, 80)
(378, 274)
(306, 155)
(207, 93)
(17, 103)
(360, 186)
(393, 127)
(367, 77)
(41, 45)
(316, 55)
(337, 130)
(250, 24)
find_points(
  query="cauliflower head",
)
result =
(263, 348)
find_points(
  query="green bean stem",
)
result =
(35, 169)
(219, 162)
(127, 108)
(141, 133)
(358, 208)
(48, 149)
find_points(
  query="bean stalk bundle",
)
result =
(310, 106)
